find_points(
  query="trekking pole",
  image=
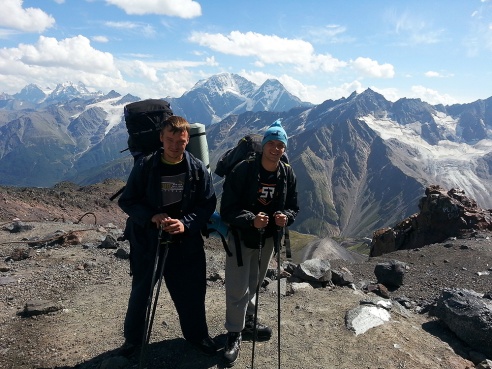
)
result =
(149, 317)
(277, 240)
(255, 320)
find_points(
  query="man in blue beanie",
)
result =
(259, 198)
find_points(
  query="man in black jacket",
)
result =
(169, 190)
(259, 198)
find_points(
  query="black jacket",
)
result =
(240, 197)
(141, 200)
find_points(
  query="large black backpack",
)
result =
(246, 148)
(144, 120)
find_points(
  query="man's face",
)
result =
(273, 150)
(174, 144)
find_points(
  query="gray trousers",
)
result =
(241, 282)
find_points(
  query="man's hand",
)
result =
(261, 220)
(173, 226)
(280, 219)
(168, 224)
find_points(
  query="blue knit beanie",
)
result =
(275, 132)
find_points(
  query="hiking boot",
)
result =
(207, 346)
(129, 350)
(232, 347)
(263, 332)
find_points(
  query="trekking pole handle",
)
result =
(278, 212)
(262, 229)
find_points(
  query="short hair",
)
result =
(176, 124)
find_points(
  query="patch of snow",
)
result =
(450, 163)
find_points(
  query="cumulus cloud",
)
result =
(24, 19)
(306, 92)
(431, 96)
(75, 52)
(372, 68)
(50, 61)
(141, 69)
(268, 49)
(173, 8)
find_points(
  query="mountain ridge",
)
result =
(362, 161)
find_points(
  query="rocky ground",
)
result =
(88, 287)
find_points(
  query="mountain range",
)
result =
(362, 162)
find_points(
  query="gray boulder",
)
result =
(391, 273)
(314, 270)
(469, 315)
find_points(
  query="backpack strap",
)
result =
(237, 242)
(146, 167)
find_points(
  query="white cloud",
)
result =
(306, 92)
(372, 68)
(414, 29)
(431, 96)
(7, 33)
(102, 39)
(49, 61)
(329, 34)
(140, 69)
(269, 50)
(432, 74)
(480, 36)
(24, 19)
(75, 52)
(141, 29)
(173, 8)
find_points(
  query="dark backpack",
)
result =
(144, 120)
(246, 148)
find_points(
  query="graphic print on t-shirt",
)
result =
(172, 189)
(265, 193)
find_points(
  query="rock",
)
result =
(343, 277)
(18, 226)
(122, 253)
(379, 289)
(442, 215)
(366, 316)
(469, 316)
(486, 364)
(296, 287)
(314, 270)
(109, 243)
(20, 253)
(390, 273)
(38, 307)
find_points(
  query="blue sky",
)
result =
(439, 51)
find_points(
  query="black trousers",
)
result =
(185, 279)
